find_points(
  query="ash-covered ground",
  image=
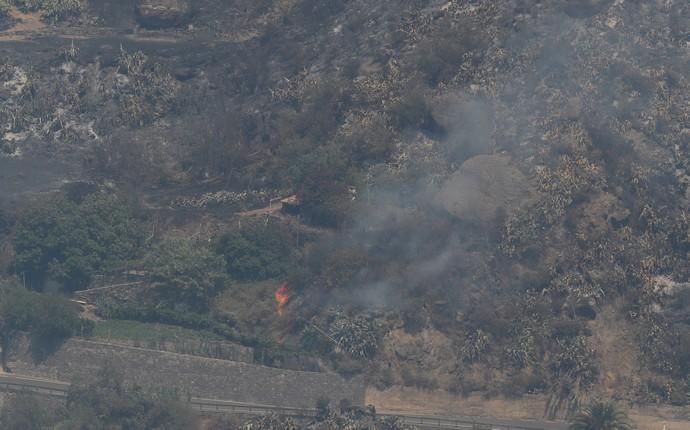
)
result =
(493, 195)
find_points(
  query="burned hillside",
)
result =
(469, 196)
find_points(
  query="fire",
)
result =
(282, 298)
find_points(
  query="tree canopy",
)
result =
(68, 242)
(47, 319)
(257, 251)
(186, 274)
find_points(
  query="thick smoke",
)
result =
(552, 75)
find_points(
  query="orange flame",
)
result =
(282, 298)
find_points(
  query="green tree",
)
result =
(601, 416)
(257, 251)
(67, 242)
(187, 275)
(15, 315)
(323, 175)
(108, 404)
(47, 319)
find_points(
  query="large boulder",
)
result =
(163, 13)
(482, 188)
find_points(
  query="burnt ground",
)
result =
(580, 104)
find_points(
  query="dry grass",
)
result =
(408, 400)
(24, 25)
(252, 305)
(659, 417)
(615, 343)
(413, 401)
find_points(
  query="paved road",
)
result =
(12, 382)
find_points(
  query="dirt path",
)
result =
(28, 26)
(614, 341)
(24, 23)
(412, 401)
(271, 209)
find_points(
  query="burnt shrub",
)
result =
(586, 311)
(522, 383)
(413, 377)
(313, 14)
(6, 223)
(485, 316)
(369, 144)
(322, 177)
(321, 109)
(337, 267)
(465, 384)
(683, 351)
(384, 379)
(221, 140)
(348, 366)
(413, 112)
(439, 57)
(565, 328)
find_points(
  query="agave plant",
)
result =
(601, 416)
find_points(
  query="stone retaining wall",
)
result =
(202, 348)
(195, 376)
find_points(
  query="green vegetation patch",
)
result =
(186, 274)
(67, 242)
(48, 320)
(194, 321)
(145, 332)
(257, 251)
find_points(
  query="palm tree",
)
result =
(601, 416)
